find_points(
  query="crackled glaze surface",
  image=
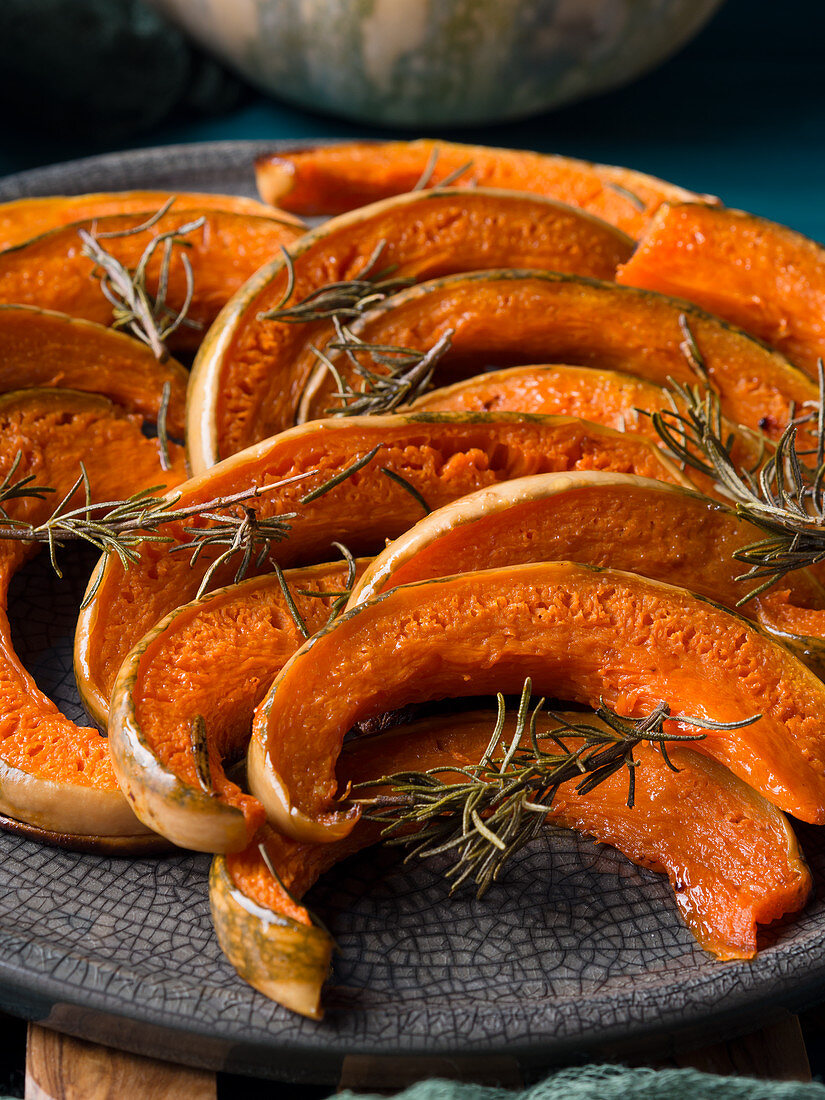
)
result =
(577, 948)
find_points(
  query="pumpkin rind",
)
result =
(215, 658)
(774, 278)
(331, 179)
(244, 382)
(581, 633)
(443, 455)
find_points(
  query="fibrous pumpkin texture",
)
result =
(39, 347)
(51, 271)
(441, 456)
(582, 634)
(330, 179)
(502, 318)
(774, 279)
(57, 775)
(213, 658)
(245, 384)
(648, 527)
(23, 219)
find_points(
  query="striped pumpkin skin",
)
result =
(438, 62)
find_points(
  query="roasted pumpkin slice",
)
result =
(442, 456)
(774, 278)
(245, 386)
(51, 271)
(331, 179)
(731, 857)
(583, 634)
(41, 348)
(607, 397)
(213, 658)
(57, 776)
(23, 219)
(661, 531)
(501, 318)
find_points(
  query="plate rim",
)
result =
(724, 1001)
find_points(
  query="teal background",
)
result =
(740, 113)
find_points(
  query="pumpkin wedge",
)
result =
(660, 531)
(23, 219)
(608, 397)
(54, 775)
(39, 347)
(503, 318)
(244, 384)
(612, 398)
(774, 278)
(50, 271)
(583, 634)
(442, 456)
(731, 857)
(214, 658)
(331, 179)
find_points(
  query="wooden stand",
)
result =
(61, 1068)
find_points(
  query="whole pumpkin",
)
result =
(439, 62)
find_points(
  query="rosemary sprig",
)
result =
(345, 299)
(484, 814)
(292, 607)
(408, 487)
(163, 434)
(120, 526)
(626, 193)
(425, 180)
(147, 317)
(337, 479)
(407, 373)
(340, 598)
(784, 496)
(241, 535)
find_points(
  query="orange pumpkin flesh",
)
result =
(443, 456)
(41, 348)
(23, 219)
(611, 520)
(330, 179)
(608, 397)
(244, 383)
(247, 632)
(55, 775)
(508, 317)
(730, 856)
(612, 398)
(582, 634)
(50, 271)
(773, 283)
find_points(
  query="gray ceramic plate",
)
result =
(576, 950)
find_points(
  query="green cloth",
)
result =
(617, 1083)
(102, 69)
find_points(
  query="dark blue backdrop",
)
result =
(740, 112)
